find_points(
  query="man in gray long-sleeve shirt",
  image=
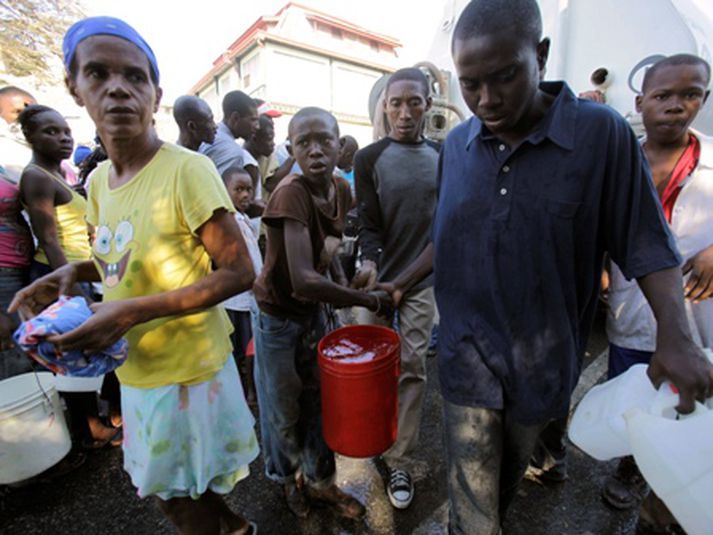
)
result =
(396, 194)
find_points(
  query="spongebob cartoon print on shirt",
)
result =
(113, 248)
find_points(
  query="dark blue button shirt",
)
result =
(520, 237)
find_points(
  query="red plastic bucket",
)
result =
(360, 395)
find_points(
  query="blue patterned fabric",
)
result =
(66, 314)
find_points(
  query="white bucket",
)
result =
(33, 432)
(78, 384)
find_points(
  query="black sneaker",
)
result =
(400, 489)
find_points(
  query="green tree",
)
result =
(31, 34)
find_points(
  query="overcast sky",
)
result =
(187, 35)
(199, 31)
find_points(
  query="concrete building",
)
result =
(303, 57)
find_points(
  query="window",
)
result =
(211, 97)
(250, 70)
(224, 84)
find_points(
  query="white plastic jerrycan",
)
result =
(675, 457)
(598, 427)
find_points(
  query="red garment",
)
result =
(16, 246)
(684, 167)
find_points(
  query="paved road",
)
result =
(98, 498)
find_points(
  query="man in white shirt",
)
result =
(240, 121)
(14, 150)
(673, 92)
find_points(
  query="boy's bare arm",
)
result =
(337, 272)
(309, 284)
(418, 270)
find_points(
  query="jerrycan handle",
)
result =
(665, 402)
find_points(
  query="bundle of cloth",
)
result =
(64, 315)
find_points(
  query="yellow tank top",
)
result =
(70, 219)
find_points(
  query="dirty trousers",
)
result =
(416, 315)
(487, 455)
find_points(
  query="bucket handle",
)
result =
(48, 402)
(24, 317)
(666, 401)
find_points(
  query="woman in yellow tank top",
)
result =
(57, 217)
(57, 213)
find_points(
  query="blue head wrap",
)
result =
(104, 26)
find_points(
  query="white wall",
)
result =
(298, 78)
(614, 34)
(350, 88)
(362, 133)
(252, 71)
(210, 95)
(303, 79)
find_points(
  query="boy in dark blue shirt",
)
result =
(533, 191)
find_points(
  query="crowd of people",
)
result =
(221, 263)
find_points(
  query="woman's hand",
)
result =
(34, 298)
(109, 322)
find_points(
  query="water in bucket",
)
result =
(351, 349)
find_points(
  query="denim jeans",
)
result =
(287, 380)
(487, 455)
(12, 361)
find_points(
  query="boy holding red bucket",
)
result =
(305, 220)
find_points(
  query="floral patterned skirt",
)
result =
(181, 440)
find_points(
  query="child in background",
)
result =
(242, 308)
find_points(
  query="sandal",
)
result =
(626, 487)
(343, 504)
